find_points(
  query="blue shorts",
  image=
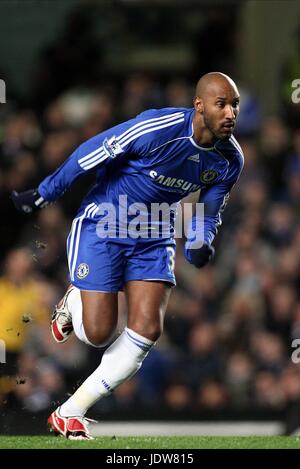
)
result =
(106, 264)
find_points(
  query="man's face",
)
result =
(220, 111)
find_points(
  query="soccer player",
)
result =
(161, 155)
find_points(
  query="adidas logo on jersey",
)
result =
(195, 158)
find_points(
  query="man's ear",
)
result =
(198, 104)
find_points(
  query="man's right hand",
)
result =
(28, 201)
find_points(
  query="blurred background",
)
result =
(74, 68)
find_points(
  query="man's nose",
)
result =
(229, 112)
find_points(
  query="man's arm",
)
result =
(96, 151)
(214, 199)
(127, 138)
(200, 256)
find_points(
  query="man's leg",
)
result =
(94, 317)
(147, 302)
(99, 316)
(83, 311)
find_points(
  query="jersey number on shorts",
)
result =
(171, 254)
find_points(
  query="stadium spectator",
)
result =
(20, 304)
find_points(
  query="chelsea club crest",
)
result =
(82, 270)
(208, 176)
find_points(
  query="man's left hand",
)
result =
(199, 257)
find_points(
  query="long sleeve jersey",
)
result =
(153, 158)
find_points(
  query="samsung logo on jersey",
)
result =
(168, 181)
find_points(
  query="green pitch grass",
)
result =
(190, 442)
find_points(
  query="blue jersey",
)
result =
(153, 158)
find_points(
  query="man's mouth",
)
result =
(228, 125)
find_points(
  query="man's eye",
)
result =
(220, 104)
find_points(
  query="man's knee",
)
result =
(99, 316)
(97, 334)
(150, 330)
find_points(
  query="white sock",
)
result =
(74, 304)
(119, 362)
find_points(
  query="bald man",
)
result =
(217, 106)
(159, 156)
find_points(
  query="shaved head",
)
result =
(217, 107)
(214, 82)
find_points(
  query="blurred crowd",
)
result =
(229, 327)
